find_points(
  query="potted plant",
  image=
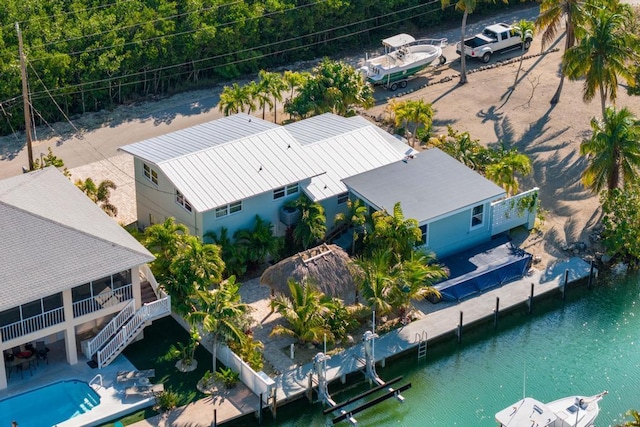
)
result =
(227, 377)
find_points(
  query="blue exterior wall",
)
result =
(453, 234)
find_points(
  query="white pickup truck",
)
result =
(494, 38)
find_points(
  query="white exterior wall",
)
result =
(331, 208)
(159, 202)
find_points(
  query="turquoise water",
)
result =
(583, 345)
(50, 405)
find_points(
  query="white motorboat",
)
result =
(572, 411)
(403, 57)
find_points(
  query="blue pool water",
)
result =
(50, 405)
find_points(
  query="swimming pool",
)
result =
(49, 405)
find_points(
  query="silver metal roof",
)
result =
(430, 185)
(197, 138)
(54, 238)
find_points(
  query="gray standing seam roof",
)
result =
(430, 185)
(54, 238)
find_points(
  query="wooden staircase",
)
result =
(147, 292)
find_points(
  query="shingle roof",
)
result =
(54, 238)
(430, 185)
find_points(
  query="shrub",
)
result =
(228, 377)
(168, 399)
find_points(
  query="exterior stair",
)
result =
(125, 326)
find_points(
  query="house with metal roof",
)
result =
(68, 270)
(225, 172)
(451, 202)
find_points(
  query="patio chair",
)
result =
(123, 376)
(41, 351)
(144, 390)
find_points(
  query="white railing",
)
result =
(146, 272)
(257, 382)
(514, 212)
(105, 299)
(130, 329)
(90, 347)
(32, 324)
(97, 377)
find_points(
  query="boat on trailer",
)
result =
(403, 57)
(572, 411)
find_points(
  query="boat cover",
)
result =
(398, 40)
(526, 412)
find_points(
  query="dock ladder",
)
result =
(421, 339)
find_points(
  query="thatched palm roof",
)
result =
(328, 267)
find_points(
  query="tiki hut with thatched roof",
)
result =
(328, 267)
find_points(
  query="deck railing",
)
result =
(32, 324)
(131, 329)
(90, 347)
(107, 298)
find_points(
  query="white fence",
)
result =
(257, 382)
(514, 211)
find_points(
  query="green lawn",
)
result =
(151, 352)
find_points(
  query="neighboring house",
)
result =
(67, 268)
(225, 172)
(453, 204)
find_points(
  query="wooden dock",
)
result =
(442, 320)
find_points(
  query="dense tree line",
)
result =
(89, 55)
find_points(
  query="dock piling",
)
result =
(590, 274)
(459, 333)
(495, 313)
(215, 418)
(565, 283)
(260, 410)
(531, 300)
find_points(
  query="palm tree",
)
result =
(466, 7)
(504, 171)
(235, 98)
(375, 283)
(461, 147)
(414, 278)
(164, 241)
(260, 97)
(198, 262)
(603, 53)
(635, 422)
(258, 243)
(234, 256)
(356, 217)
(613, 150)
(312, 225)
(99, 194)
(305, 311)
(273, 85)
(412, 115)
(524, 27)
(550, 18)
(221, 313)
(394, 233)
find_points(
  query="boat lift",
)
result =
(320, 368)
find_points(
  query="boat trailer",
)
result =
(320, 367)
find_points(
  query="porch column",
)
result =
(3, 375)
(135, 286)
(70, 330)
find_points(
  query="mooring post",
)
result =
(460, 328)
(566, 282)
(215, 418)
(260, 410)
(274, 405)
(531, 300)
(310, 388)
(495, 312)
(590, 274)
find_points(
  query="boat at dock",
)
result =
(572, 411)
(403, 57)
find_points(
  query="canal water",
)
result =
(584, 344)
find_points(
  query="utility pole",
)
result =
(25, 98)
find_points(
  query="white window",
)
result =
(278, 193)
(150, 174)
(425, 234)
(342, 198)
(477, 216)
(182, 201)
(229, 209)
